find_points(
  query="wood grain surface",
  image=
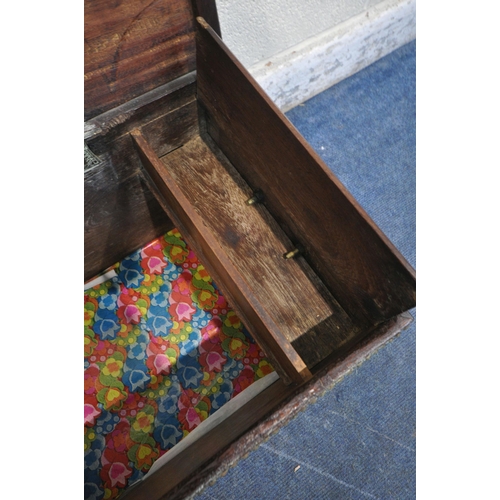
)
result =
(306, 313)
(134, 46)
(142, 109)
(361, 268)
(237, 291)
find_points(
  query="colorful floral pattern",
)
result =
(163, 351)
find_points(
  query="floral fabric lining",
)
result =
(163, 351)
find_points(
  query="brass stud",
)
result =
(291, 254)
(256, 198)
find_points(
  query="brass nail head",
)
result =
(256, 198)
(291, 254)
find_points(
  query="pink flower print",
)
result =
(184, 311)
(154, 264)
(90, 413)
(129, 304)
(162, 364)
(244, 380)
(155, 248)
(212, 361)
(118, 474)
(152, 258)
(221, 304)
(132, 314)
(191, 419)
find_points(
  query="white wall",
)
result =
(296, 49)
(255, 30)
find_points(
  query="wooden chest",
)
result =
(178, 134)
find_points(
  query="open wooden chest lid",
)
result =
(134, 46)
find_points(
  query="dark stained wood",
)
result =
(186, 472)
(121, 213)
(261, 324)
(186, 127)
(362, 269)
(142, 109)
(134, 46)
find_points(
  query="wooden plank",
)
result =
(146, 107)
(181, 125)
(187, 471)
(166, 478)
(362, 269)
(134, 46)
(291, 293)
(227, 411)
(121, 213)
(250, 310)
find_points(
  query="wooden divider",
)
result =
(261, 324)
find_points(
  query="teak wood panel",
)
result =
(361, 268)
(134, 46)
(261, 325)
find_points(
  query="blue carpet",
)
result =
(358, 440)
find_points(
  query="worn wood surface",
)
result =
(260, 323)
(121, 213)
(290, 292)
(361, 268)
(203, 461)
(134, 46)
(142, 109)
